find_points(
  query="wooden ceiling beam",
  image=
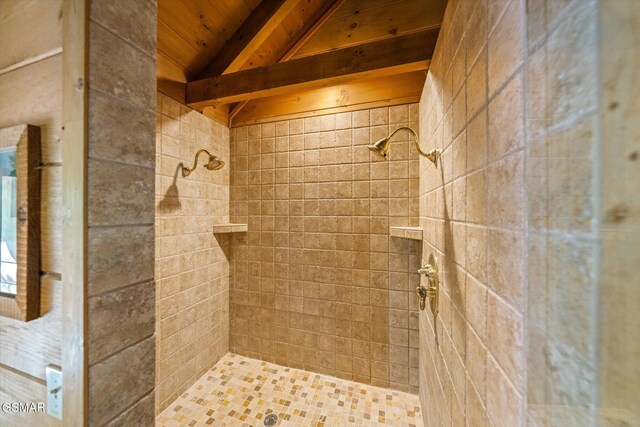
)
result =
(255, 29)
(396, 55)
(326, 11)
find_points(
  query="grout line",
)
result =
(108, 356)
(121, 288)
(144, 396)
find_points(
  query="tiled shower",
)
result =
(282, 250)
(317, 285)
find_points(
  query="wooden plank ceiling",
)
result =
(252, 61)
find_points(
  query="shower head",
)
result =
(213, 164)
(381, 148)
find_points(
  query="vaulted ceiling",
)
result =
(252, 61)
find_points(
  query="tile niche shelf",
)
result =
(230, 228)
(413, 233)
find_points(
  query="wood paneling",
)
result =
(308, 28)
(292, 29)
(393, 90)
(30, 347)
(17, 18)
(258, 26)
(361, 22)
(192, 32)
(349, 23)
(386, 57)
(30, 92)
(15, 387)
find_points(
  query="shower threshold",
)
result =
(240, 391)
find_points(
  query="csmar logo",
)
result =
(21, 407)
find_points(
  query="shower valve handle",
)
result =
(428, 271)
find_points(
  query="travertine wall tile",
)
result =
(119, 319)
(317, 282)
(140, 414)
(527, 309)
(115, 73)
(135, 22)
(129, 140)
(115, 384)
(119, 194)
(120, 214)
(107, 272)
(192, 263)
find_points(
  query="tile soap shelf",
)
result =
(412, 233)
(230, 228)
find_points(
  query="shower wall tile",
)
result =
(317, 282)
(120, 280)
(528, 241)
(472, 208)
(192, 263)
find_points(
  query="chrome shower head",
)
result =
(213, 164)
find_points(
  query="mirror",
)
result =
(20, 222)
(8, 226)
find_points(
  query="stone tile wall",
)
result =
(317, 283)
(120, 247)
(511, 99)
(192, 267)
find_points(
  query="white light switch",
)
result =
(54, 391)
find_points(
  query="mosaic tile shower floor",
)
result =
(239, 391)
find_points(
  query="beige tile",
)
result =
(112, 138)
(504, 404)
(505, 265)
(506, 45)
(505, 195)
(133, 22)
(114, 254)
(119, 194)
(119, 319)
(129, 81)
(111, 394)
(505, 339)
(506, 119)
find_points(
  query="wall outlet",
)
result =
(54, 391)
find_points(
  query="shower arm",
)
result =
(186, 171)
(431, 155)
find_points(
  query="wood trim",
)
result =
(380, 92)
(249, 36)
(32, 60)
(25, 139)
(333, 110)
(321, 16)
(28, 170)
(382, 58)
(75, 117)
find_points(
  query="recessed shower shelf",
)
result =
(413, 233)
(230, 228)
